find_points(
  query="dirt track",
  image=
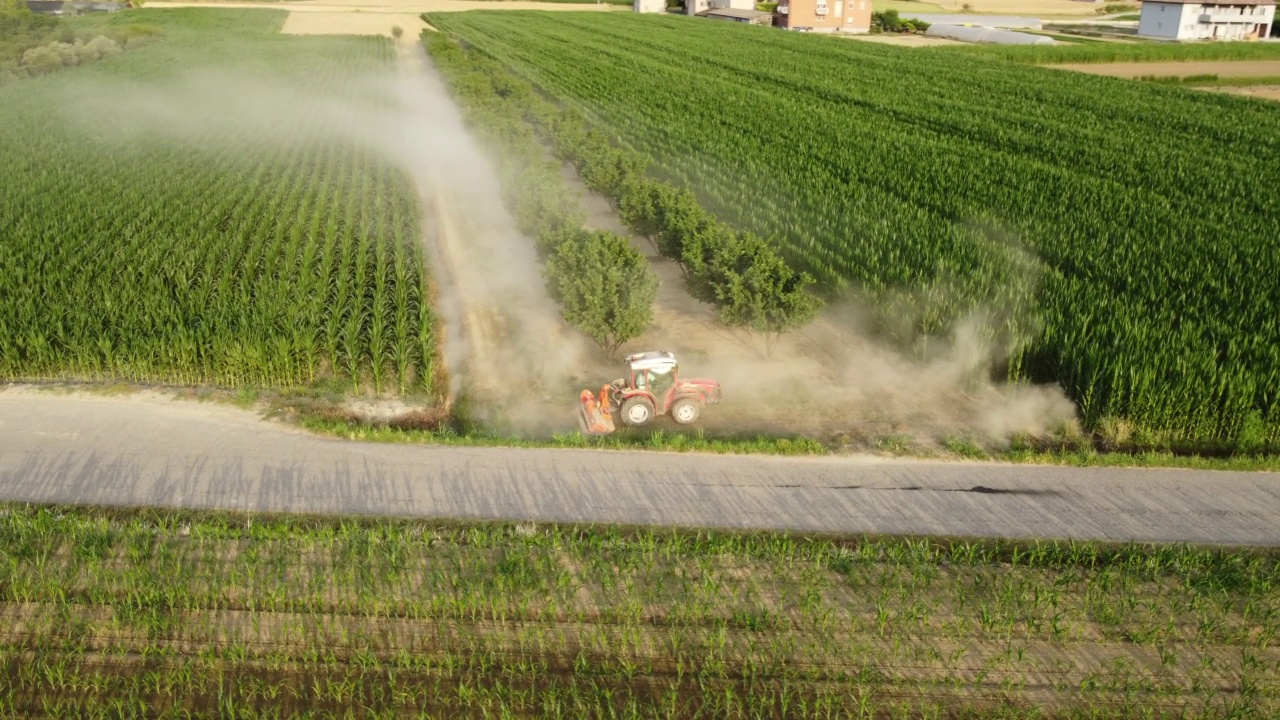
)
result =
(1264, 92)
(140, 450)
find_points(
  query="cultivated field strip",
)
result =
(402, 617)
(247, 245)
(1111, 235)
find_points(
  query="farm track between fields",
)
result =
(148, 451)
(499, 321)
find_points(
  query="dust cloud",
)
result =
(838, 378)
(513, 363)
(509, 355)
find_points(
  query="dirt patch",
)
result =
(352, 23)
(1225, 68)
(1264, 92)
(902, 40)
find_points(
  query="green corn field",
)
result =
(1113, 237)
(181, 614)
(209, 255)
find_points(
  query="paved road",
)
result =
(153, 451)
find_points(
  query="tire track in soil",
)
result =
(513, 362)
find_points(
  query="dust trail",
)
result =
(509, 354)
(516, 353)
(834, 377)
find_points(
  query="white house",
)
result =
(1194, 20)
(698, 7)
(649, 6)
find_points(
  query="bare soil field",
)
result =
(903, 40)
(1226, 68)
(372, 17)
(1264, 92)
(346, 15)
(352, 23)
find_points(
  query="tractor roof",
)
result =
(650, 360)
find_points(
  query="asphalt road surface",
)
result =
(140, 450)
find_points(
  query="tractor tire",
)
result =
(637, 411)
(686, 411)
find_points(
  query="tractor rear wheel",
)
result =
(637, 411)
(685, 411)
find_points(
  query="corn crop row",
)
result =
(219, 257)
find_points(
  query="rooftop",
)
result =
(646, 360)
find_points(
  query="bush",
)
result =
(40, 60)
(99, 48)
(57, 55)
(604, 285)
(763, 294)
(889, 21)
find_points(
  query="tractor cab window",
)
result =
(640, 382)
(661, 380)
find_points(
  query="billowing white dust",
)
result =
(508, 353)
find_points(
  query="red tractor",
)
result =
(653, 388)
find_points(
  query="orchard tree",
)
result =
(604, 286)
(757, 290)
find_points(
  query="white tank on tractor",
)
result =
(652, 387)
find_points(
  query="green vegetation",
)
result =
(738, 272)
(946, 189)
(340, 424)
(1113, 52)
(1114, 8)
(146, 613)
(888, 21)
(202, 252)
(605, 286)
(1076, 450)
(32, 45)
(1211, 80)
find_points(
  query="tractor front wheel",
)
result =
(685, 411)
(637, 411)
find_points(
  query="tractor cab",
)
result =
(656, 373)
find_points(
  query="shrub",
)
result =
(604, 285)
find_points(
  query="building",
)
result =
(649, 6)
(1193, 20)
(79, 7)
(753, 17)
(852, 16)
(700, 7)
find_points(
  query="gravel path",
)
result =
(148, 450)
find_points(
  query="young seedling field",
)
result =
(1113, 237)
(178, 614)
(196, 212)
